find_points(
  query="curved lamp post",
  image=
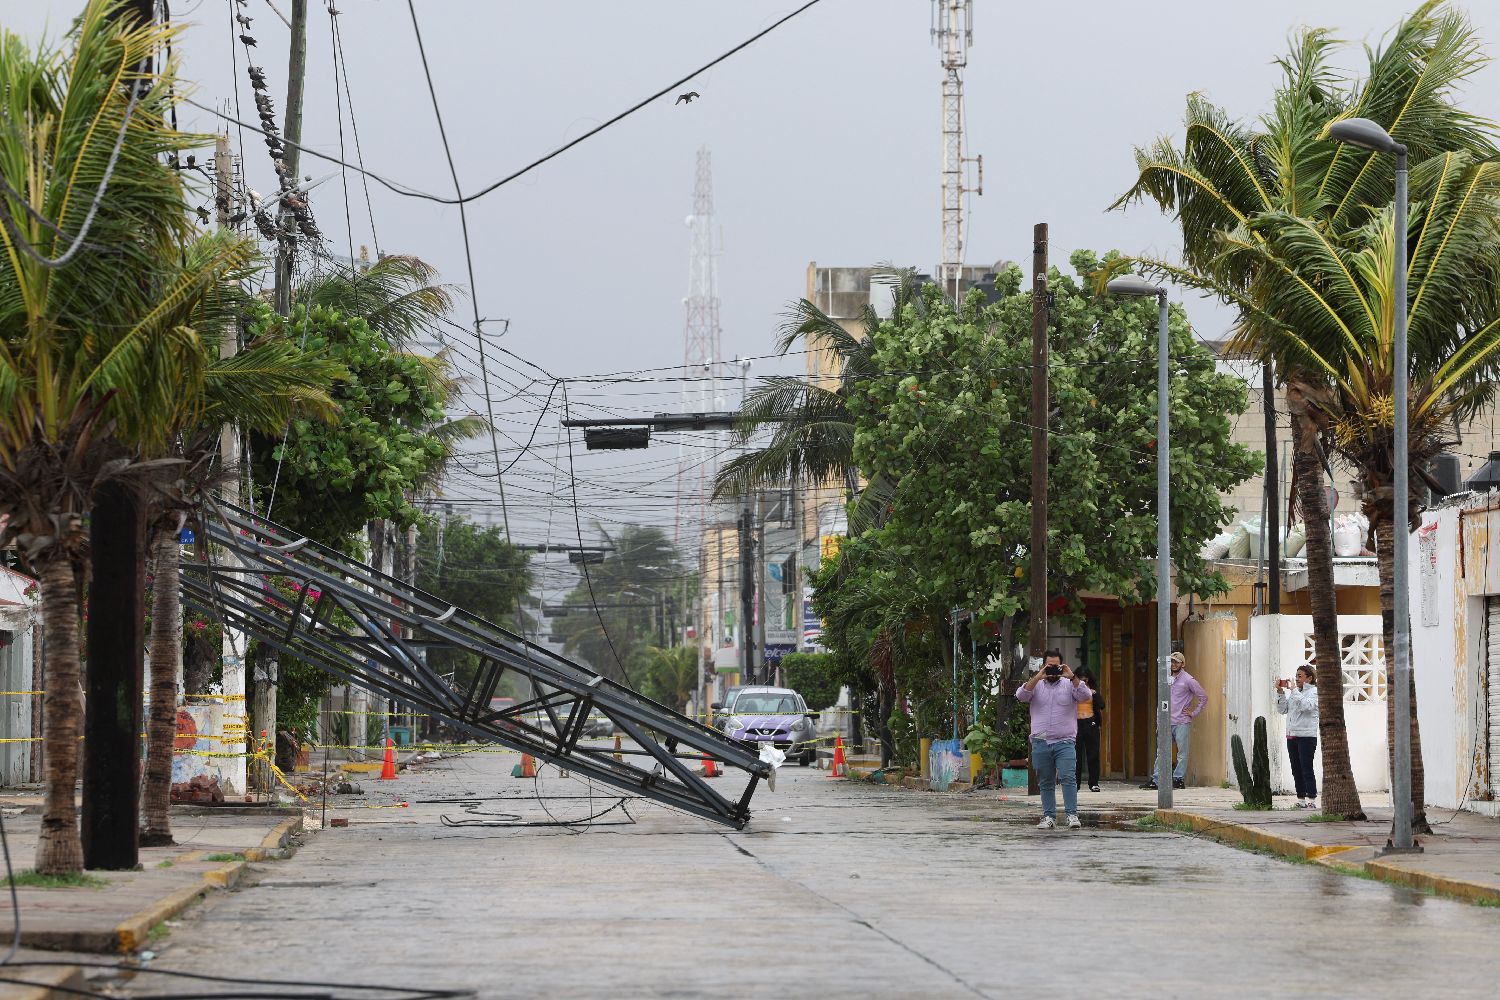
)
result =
(1369, 135)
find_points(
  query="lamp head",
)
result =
(1132, 284)
(1364, 133)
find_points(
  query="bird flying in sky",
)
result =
(686, 98)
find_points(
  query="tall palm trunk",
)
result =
(59, 849)
(1378, 509)
(161, 727)
(1340, 797)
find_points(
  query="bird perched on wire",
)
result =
(247, 39)
(202, 214)
(257, 77)
(686, 98)
(244, 20)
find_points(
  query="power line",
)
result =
(463, 219)
(463, 199)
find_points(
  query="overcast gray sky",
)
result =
(825, 137)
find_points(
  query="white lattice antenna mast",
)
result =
(695, 470)
(953, 31)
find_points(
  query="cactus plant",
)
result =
(1260, 765)
(1254, 778)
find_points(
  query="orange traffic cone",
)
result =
(840, 766)
(710, 767)
(388, 772)
(617, 748)
(528, 766)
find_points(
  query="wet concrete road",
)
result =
(836, 890)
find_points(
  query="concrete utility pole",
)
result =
(760, 587)
(1037, 646)
(1272, 526)
(747, 594)
(266, 670)
(295, 73)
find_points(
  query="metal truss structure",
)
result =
(299, 597)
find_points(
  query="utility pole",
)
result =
(747, 594)
(1273, 485)
(760, 586)
(292, 128)
(266, 669)
(1039, 407)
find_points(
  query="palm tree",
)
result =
(1330, 303)
(1226, 174)
(262, 387)
(629, 584)
(92, 226)
(812, 440)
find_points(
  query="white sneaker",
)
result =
(1073, 823)
(1047, 823)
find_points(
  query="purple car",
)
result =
(772, 715)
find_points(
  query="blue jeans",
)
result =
(1053, 761)
(1180, 733)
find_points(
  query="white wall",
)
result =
(1450, 577)
(1278, 645)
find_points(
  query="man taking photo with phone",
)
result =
(1054, 694)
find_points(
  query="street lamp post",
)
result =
(1132, 284)
(1367, 134)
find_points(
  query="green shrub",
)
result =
(812, 676)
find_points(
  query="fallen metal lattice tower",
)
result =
(284, 590)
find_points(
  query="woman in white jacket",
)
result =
(1298, 701)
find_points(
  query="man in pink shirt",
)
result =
(1188, 699)
(1054, 695)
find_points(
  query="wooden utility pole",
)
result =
(1040, 404)
(1272, 527)
(286, 225)
(1039, 407)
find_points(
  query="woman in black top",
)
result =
(1090, 722)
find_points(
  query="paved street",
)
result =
(836, 890)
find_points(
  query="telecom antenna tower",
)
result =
(953, 31)
(700, 340)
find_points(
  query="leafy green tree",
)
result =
(327, 480)
(1227, 172)
(945, 421)
(949, 427)
(475, 568)
(812, 676)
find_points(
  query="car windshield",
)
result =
(767, 704)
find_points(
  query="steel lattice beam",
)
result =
(285, 590)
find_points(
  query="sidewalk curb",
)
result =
(132, 933)
(1326, 855)
(51, 983)
(277, 845)
(1246, 836)
(1474, 892)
